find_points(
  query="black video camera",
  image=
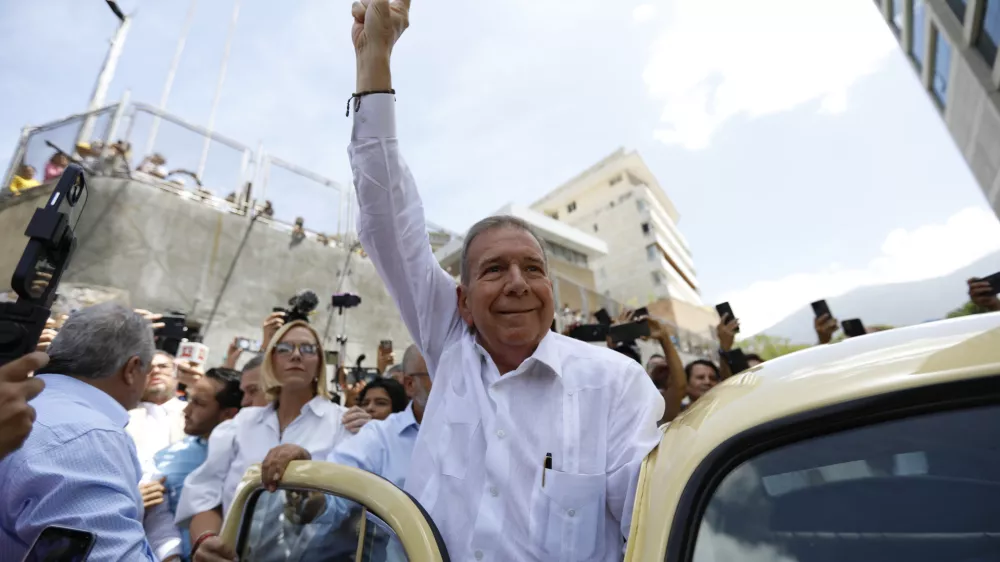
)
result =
(299, 306)
(51, 242)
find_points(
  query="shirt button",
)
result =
(494, 492)
(571, 512)
(479, 555)
(500, 433)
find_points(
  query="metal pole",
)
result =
(218, 87)
(105, 77)
(171, 74)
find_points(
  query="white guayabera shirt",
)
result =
(477, 465)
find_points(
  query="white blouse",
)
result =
(235, 445)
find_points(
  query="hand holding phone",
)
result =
(820, 309)
(726, 314)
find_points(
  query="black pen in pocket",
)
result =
(547, 465)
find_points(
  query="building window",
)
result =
(641, 205)
(568, 255)
(919, 33)
(615, 180)
(553, 215)
(652, 253)
(595, 227)
(645, 228)
(958, 6)
(942, 67)
(657, 278)
(986, 42)
(571, 207)
(898, 15)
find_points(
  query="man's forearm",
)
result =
(374, 73)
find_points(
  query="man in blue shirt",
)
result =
(78, 468)
(215, 398)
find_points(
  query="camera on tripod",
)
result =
(51, 242)
(300, 306)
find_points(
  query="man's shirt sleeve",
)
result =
(89, 483)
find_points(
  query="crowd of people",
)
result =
(519, 442)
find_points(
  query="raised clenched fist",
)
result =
(378, 24)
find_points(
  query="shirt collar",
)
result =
(98, 399)
(314, 406)
(406, 419)
(547, 353)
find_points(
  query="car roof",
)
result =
(857, 368)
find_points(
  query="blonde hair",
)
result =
(269, 381)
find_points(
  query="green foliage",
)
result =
(769, 347)
(966, 309)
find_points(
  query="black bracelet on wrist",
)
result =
(356, 97)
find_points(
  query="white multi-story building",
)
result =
(952, 45)
(619, 200)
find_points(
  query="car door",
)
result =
(912, 475)
(325, 512)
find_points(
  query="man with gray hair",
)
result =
(78, 468)
(532, 442)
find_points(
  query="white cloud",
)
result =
(643, 13)
(721, 59)
(906, 255)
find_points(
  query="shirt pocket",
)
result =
(461, 423)
(567, 514)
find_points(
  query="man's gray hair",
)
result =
(492, 223)
(410, 356)
(254, 362)
(97, 341)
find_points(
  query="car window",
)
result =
(924, 488)
(314, 526)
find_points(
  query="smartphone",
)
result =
(174, 326)
(994, 281)
(245, 344)
(590, 332)
(641, 312)
(724, 309)
(629, 332)
(736, 360)
(385, 346)
(60, 544)
(853, 328)
(603, 317)
(280, 309)
(820, 309)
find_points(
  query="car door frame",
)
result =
(419, 537)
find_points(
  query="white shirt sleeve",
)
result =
(632, 434)
(203, 487)
(393, 231)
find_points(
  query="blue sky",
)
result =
(792, 136)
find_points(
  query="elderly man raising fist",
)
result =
(533, 443)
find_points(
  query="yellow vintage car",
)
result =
(883, 447)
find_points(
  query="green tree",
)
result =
(769, 347)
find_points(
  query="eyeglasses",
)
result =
(285, 348)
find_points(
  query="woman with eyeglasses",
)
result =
(293, 376)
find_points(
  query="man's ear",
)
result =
(462, 294)
(133, 370)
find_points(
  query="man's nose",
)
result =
(516, 284)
